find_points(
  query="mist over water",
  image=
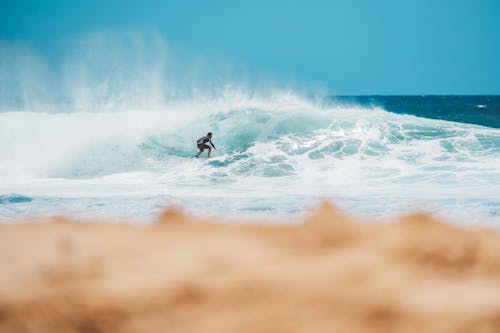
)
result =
(106, 71)
(108, 128)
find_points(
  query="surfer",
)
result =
(202, 144)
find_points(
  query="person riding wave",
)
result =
(202, 144)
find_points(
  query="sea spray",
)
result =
(116, 136)
(357, 155)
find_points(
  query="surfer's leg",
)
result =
(209, 150)
(201, 151)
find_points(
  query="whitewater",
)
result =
(108, 129)
(278, 155)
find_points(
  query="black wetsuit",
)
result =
(202, 143)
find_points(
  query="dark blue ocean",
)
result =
(481, 110)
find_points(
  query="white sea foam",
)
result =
(121, 142)
(291, 154)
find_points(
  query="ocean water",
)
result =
(278, 155)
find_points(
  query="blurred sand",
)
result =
(327, 274)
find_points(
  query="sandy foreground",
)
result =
(326, 274)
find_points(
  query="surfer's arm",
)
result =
(212, 144)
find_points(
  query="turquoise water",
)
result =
(277, 156)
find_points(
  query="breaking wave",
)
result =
(129, 116)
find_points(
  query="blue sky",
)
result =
(348, 47)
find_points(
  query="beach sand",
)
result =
(328, 273)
